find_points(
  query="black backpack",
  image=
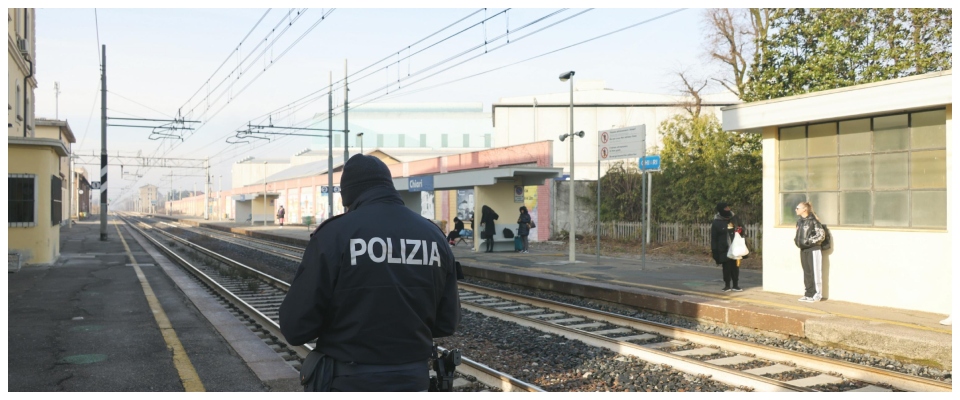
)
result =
(507, 233)
(827, 238)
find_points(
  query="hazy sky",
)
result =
(159, 58)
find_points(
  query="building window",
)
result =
(423, 140)
(883, 172)
(56, 200)
(486, 141)
(443, 140)
(380, 140)
(466, 140)
(403, 141)
(21, 200)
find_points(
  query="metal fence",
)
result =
(697, 234)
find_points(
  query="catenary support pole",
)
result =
(220, 202)
(330, 148)
(103, 145)
(598, 200)
(346, 114)
(573, 217)
(265, 194)
(206, 191)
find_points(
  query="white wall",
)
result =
(891, 268)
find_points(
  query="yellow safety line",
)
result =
(188, 375)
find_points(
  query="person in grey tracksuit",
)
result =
(809, 236)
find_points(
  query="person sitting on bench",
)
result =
(455, 233)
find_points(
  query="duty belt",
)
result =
(347, 369)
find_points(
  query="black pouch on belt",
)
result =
(316, 373)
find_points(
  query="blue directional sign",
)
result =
(420, 184)
(650, 163)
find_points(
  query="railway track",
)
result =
(734, 362)
(256, 297)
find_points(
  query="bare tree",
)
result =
(691, 88)
(732, 35)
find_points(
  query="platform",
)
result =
(114, 316)
(691, 291)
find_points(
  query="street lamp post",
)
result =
(573, 218)
(360, 138)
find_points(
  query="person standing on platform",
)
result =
(524, 229)
(280, 213)
(487, 216)
(810, 234)
(375, 286)
(721, 235)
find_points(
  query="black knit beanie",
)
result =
(362, 172)
(720, 209)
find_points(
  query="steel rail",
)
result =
(847, 369)
(483, 373)
(261, 319)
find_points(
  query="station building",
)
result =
(875, 161)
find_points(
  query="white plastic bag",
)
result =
(738, 248)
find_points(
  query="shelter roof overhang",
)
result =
(530, 176)
(896, 95)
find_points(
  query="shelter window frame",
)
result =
(880, 172)
(22, 195)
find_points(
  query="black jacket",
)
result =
(721, 235)
(809, 233)
(487, 217)
(375, 286)
(524, 228)
(280, 213)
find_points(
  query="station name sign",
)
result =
(420, 184)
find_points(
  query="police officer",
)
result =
(375, 286)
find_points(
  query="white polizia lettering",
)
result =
(383, 250)
(410, 251)
(357, 247)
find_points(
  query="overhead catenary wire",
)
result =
(236, 49)
(289, 24)
(394, 95)
(450, 58)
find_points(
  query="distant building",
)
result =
(412, 125)
(532, 118)
(148, 200)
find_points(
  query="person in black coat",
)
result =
(523, 230)
(374, 287)
(455, 233)
(721, 235)
(487, 216)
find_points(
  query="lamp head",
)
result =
(579, 133)
(565, 76)
(564, 136)
(360, 134)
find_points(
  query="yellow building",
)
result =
(875, 161)
(60, 130)
(35, 163)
